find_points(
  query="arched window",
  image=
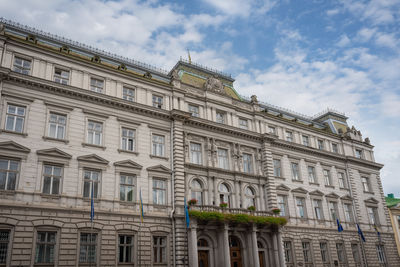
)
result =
(249, 197)
(197, 191)
(202, 243)
(224, 194)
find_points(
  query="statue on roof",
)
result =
(254, 99)
(2, 28)
(214, 84)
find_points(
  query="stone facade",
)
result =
(77, 122)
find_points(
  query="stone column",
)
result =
(192, 239)
(268, 171)
(227, 254)
(215, 191)
(256, 261)
(280, 249)
(276, 250)
(262, 200)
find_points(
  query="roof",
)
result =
(392, 202)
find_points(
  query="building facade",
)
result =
(78, 122)
(393, 205)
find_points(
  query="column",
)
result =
(262, 200)
(193, 256)
(268, 172)
(215, 192)
(280, 249)
(227, 254)
(256, 261)
(276, 251)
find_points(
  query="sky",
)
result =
(302, 55)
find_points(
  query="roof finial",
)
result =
(190, 59)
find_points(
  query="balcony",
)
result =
(211, 208)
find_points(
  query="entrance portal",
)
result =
(202, 246)
(235, 252)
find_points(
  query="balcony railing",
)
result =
(231, 210)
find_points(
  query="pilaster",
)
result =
(268, 172)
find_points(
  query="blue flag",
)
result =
(339, 226)
(92, 204)
(141, 206)
(377, 230)
(186, 214)
(360, 233)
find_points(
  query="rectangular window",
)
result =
(128, 139)
(243, 124)
(45, 247)
(9, 170)
(295, 171)
(289, 136)
(15, 118)
(91, 181)
(307, 252)
(335, 148)
(327, 177)
(320, 144)
(318, 209)
(356, 253)
(220, 116)
(282, 205)
(348, 212)
(341, 252)
(324, 252)
(4, 241)
(52, 179)
(96, 85)
(125, 248)
(57, 125)
(157, 101)
(88, 247)
(95, 133)
(127, 188)
(61, 76)
(247, 163)
(365, 184)
(287, 246)
(311, 174)
(277, 168)
(342, 180)
(359, 153)
(380, 250)
(159, 192)
(306, 140)
(158, 144)
(373, 215)
(272, 130)
(333, 210)
(301, 211)
(22, 65)
(194, 110)
(223, 162)
(128, 94)
(195, 153)
(159, 249)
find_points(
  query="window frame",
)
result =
(226, 163)
(90, 180)
(95, 121)
(304, 208)
(17, 105)
(366, 183)
(348, 215)
(96, 87)
(194, 192)
(97, 245)
(250, 198)
(335, 208)
(249, 169)
(155, 103)
(277, 169)
(335, 147)
(357, 259)
(52, 176)
(10, 230)
(23, 58)
(153, 246)
(126, 96)
(295, 174)
(134, 245)
(17, 176)
(244, 126)
(305, 140)
(320, 208)
(57, 125)
(375, 219)
(198, 152)
(127, 137)
(225, 195)
(380, 248)
(327, 254)
(288, 252)
(60, 77)
(47, 230)
(320, 144)
(283, 212)
(125, 184)
(222, 118)
(271, 130)
(359, 153)
(343, 252)
(191, 111)
(342, 180)
(327, 177)
(288, 136)
(161, 144)
(312, 179)
(310, 256)
(159, 189)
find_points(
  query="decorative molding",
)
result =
(53, 152)
(13, 146)
(332, 195)
(299, 190)
(128, 164)
(316, 193)
(159, 168)
(371, 200)
(346, 197)
(93, 158)
(282, 187)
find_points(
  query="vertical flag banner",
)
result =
(141, 206)
(186, 214)
(92, 204)
(339, 226)
(360, 233)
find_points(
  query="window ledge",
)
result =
(159, 157)
(127, 203)
(12, 132)
(329, 186)
(369, 192)
(343, 188)
(314, 183)
(7, 192)
(44, 195)
(48, 138)
(128, 151)
(88, 199)
(280, 177)
(297, 181)
(92, 145)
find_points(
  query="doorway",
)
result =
(235, 252)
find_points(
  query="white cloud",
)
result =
(365, 34)
(344, 41)
(242, 8)
(388, 40)
(333, 12)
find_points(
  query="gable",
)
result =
(300, 190)
(332, 195)
(282, 187)
(316, 193)
(13, 146)
(53, 152)
(128, 164)
(346, 197)
(371, 200)
(159, 168)
(93, 158)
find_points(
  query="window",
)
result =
(61, 76)
(95, 133)
(380, 250)
(127, 188)
(356, 253)
(224, 194)
(159, 192)
(15, 118)
(311, 174)
(295, 171)
(96, 85)
(91, 183)
(22, 65)
(333, 210)
(359, 153)
(4, 241)
(243, 124)
(307, 252)
(247, 163)
(289, 136)
(272, 130)
(195, 153)
(125, 248)
(197, 191)
(128, 139)
(282, 205)
(88, 247)
(220, 116)
(57, 125)
(45, 247)
(160, 249)
(9, 170)
(348, 212)
(335, 148)
(277, 168)
(223, 158)
(324, 252)
(327, 177)
(158, 145)
(52, 179)
(128, 94)
(194, 110)
(250, 197)
(306, 140)
(373, 215)
(300, 202)
(157, 101)
(342, 180)
(320, 144)
(341, 252)
(318, 209)
(365, 184)
(287, 246)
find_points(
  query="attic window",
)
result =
(96, 59)
(31, 38)
(65, 49)
(122, 66)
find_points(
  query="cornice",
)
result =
(209, 169)
(364, 162)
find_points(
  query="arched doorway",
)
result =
(235, 251)
(203, 252)
(262, 254)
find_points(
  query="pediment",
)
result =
(371, 200)
(316, 193)
(13, 146)
(128, 164)
(300, 190)
(346, 197)
(92, 158)
(332, 195)
(53, 152)
(282, 187)
(159, 168)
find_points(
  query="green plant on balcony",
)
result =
(276, 211)
(223, 205)
(251, 208)
(192, 202)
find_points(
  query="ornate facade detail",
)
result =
(213, 84)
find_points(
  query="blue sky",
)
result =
(302, 55)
